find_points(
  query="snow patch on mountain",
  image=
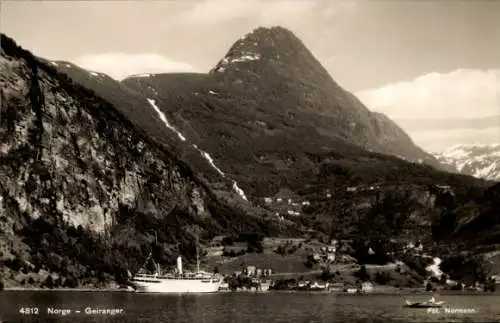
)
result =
(239, 191)
(141, 75)
(164, 119)
(211, 161)
(478, 160)
(487, 171)
(205, 155)
(244, 58)
(233, 58)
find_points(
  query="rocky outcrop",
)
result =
(75, 158)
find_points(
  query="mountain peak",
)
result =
(478, 160)
(275, 33)
(264, 44)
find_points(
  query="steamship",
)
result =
(179, 281)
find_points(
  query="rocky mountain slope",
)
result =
(269, 145)
(280, 89)
(264, 107)
(486, 220)
(478, 160)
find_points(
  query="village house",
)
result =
(215, 251)
(319, 286)
(268, 272)
(303, 284)
(250, 270)
(366, 287)
(336, 287)
(216, 241)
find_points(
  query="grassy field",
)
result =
(268, 259)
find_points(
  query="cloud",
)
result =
(440, 140)
(121, 65)
(261, 12)
(212, 12)
(429, 124)
(463, 93)
(439, 110)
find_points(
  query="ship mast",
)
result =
(197, 257)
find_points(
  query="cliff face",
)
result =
(73, 169)
(73, 156)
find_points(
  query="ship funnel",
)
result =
(179, 265)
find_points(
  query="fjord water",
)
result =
(241, 307)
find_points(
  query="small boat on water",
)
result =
(432, 303)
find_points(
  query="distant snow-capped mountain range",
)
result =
(478, 160)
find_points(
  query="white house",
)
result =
(366, 287)
(251, 270)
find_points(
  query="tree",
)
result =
(382, 278)
(326, 275)
(70, 282)
(227, 241)
(49, 283)
(254, 242)
(1, 285)
(14, 264)
(280, 250)
(362, 273)
(490, 286)
(428, 287)
(310, 261)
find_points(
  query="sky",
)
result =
(416, 61)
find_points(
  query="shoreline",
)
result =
(59, 289)
(388, 291)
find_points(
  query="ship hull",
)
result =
(177, 286)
